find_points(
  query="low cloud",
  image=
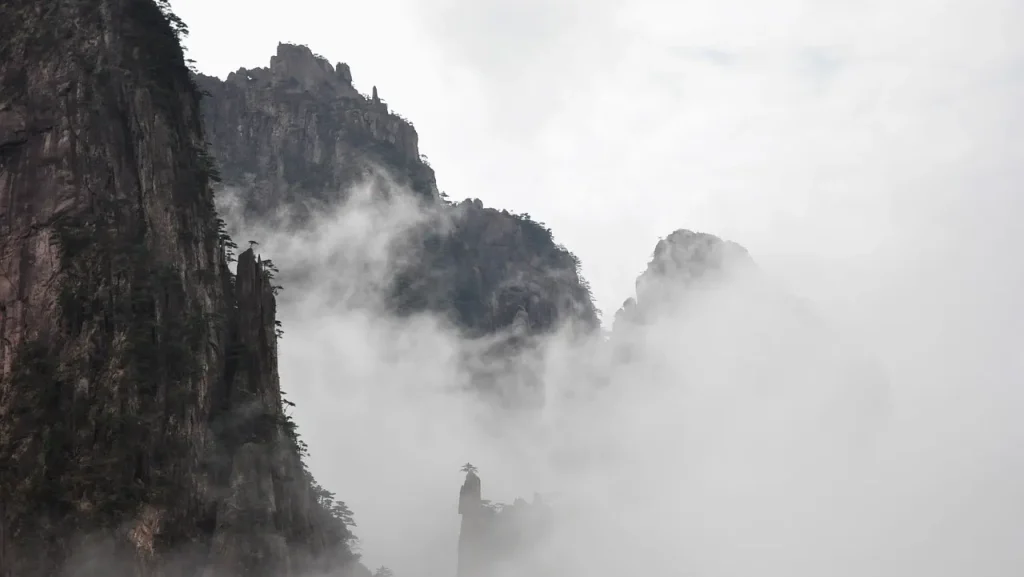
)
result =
(737, 427)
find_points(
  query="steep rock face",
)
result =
(297, 135)
(141, 427)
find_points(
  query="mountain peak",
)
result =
(297, 68)
(684, 248)
(687, 257)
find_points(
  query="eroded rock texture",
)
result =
(297, 135)
(141, 427)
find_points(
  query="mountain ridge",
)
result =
(301, 116)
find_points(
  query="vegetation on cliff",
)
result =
(490, 267)
(139, 384)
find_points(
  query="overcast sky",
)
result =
(869, 153)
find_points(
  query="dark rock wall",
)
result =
(141, 428)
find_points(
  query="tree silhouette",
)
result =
(340, 511)
(469, 468)
(383, 571)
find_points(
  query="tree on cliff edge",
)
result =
(468, 468)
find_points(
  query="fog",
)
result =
(737, 442)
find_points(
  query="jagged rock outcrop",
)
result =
(297, 135)
(141, 426)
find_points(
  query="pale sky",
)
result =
(868, 153)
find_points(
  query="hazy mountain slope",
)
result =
(703, 300)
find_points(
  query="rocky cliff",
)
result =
(141, 421)
(296, 136)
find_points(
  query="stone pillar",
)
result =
(471, 550)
